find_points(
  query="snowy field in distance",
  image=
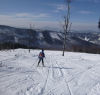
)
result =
(73, 74)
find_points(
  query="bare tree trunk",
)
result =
(13, 42)
(29, 39)
(64, 43)
(66, 26)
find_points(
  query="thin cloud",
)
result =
(21, 19)
(61, 7)
(28, 15)
(85, 12)
(94, 1)
(84, 26)
(58, 7)
(25, 22)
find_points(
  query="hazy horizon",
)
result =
(48, 14)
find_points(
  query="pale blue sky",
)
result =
(49, 13)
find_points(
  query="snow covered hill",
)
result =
(93, 37)
(73, 74)
(11, 37)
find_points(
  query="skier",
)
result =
(41, 57)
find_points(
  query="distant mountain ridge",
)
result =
(48, 39)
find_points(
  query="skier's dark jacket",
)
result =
(41, 55)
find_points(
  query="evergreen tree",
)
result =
(99, 24)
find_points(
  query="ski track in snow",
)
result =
(73, 74)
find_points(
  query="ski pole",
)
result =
(35, 61)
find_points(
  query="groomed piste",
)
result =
(72, 74)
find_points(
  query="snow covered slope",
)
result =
(73, 74)
(10, 37)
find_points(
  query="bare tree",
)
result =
(67, 24)
(29, 38)
(13, 41)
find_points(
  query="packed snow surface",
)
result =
(73, 74)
